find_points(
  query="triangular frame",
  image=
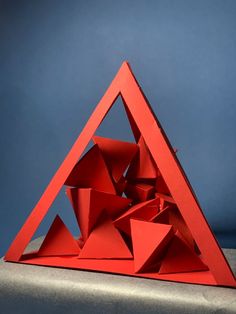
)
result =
(125, 85)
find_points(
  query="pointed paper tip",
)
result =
(125, 65)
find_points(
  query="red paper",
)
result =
(59, 241)
(145, 211)
(121, 185)
(117, 154)
(113, 228)
(149, 240)
(180, 258)
(105, 241)
(171, 215)
(88, 205)
(142, 167)
(139, 192)
(90, 174)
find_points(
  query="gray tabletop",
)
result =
(37, 289)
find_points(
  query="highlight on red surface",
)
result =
(135, 209)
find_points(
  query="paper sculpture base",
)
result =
(125, 267)
(31, 289)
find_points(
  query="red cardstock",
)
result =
(135, 208)
(58, 241)
(149, 240)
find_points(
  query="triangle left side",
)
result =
(38, 213)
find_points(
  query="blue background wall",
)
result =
(58, 57)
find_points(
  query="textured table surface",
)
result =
(36, 289)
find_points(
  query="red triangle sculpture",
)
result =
(97, 182)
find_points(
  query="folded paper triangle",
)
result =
(88, 205)
(171, 215)
(89, 174)
(58, 241)
(180, 258)
(142, 167)
(149, 240)
(105, 241)
(117, 154)
(153, 174)
(145, 211)
(139, 192)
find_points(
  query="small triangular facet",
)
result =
(139, 192)
(58, 241)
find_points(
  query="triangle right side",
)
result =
(176, 180)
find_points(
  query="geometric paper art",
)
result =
(132, 202)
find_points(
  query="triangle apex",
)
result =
(125, 64)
